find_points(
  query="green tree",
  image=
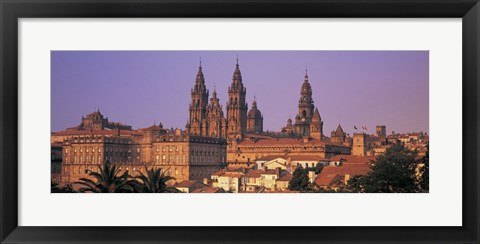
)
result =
(154, 181)
(392, 172)
(424, 171)
(108, 180)
(299, 181)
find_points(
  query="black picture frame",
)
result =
(12, 10)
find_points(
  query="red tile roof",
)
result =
(93, 132)
(208, 190)
(253, 174)
(331, 173)
(281, 141)
(352, 159)
(285, 177)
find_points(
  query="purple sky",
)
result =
(142, 87)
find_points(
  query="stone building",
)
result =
(305, 109)
(197, 124)
(236, 106)
(96, 121)
(254, 119)
(253, 148)
(360, 144)
(338, 135)
(183, 156)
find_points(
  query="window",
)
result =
(176, 171)
(170, 148)
(66, 150)
(164, 158)
(157, 157)
(176, 148)
(163, 149)
(138, 150)
(176, 159)
(183, 148)
(184, 159)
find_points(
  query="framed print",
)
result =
(262, 122)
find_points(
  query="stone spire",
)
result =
(236, 105)
(200, 78)
(198, 105)
(237, 77)
(305, 109)
(316, 116)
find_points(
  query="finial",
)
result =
(200, 62)
(306, 70)
(237, 59)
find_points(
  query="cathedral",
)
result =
(206, 117)
(243, 128)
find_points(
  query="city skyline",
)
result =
(367, 88)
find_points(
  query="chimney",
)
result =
(278, 172)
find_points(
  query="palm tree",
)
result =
(108, 180)
(154, 181)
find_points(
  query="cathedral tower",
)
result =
(254, 119)
(236, 106)
(305, 109)
(217, 124)
(197, 124)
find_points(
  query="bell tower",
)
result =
(305, 109)
(236, 106)
(198, 106)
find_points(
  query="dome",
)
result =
(254, 112)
